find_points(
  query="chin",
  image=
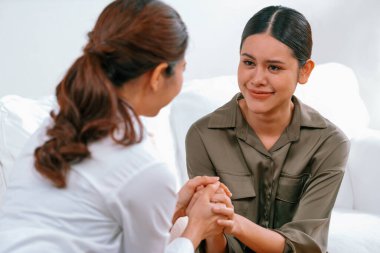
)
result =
(257, 108)
(151, 114)
(148, 113)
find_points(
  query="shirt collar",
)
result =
(225, 116)
(303, 116)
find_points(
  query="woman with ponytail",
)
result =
(89, 180)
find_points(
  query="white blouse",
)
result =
(121, 199)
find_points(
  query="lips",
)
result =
(260, 94)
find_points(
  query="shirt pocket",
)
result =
(290, 187)
(243, 192)
(288, 195)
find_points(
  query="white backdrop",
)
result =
(39, 39)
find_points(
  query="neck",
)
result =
(270, 124)
(133, 93)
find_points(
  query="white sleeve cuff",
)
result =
(180, 245)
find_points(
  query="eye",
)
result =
(248, 63)
(274, 68)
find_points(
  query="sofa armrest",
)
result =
(19, 118)
(364, 166)
(345, 199)
(352, 232)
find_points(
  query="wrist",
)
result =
(219, 238)
(194, 233)
(237, 230)
(178, 213)
(217, 243)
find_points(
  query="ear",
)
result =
(305, 71)
(157, 76)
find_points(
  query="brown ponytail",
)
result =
(129, 39)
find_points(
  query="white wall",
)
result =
(39, 39)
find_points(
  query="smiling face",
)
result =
(268, 74)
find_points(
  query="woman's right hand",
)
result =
(186, 193)
(202, 220)
(218, 242)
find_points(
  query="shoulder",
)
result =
(152, 187)
(157, 176)
(156, 183)
(312, 119)
(200, 125)
(222, 117)
(336, 141)
(136, 155)
(112, 167)
(328, 143)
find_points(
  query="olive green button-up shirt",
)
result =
(290, 188)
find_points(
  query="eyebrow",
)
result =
(268, 61)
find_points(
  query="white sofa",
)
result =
(332, 89)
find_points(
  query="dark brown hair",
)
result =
(287, 26)
(130, 38)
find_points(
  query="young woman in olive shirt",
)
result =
(281, 159)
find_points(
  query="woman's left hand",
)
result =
(187, 191)
(231, 224)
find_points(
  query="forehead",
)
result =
(264, 46)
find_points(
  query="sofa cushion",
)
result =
(353, 232)
(19, 118)
(333, 90)
(345, 198)
(364, 162)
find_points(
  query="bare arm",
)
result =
(252, 235)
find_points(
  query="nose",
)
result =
(258, 77)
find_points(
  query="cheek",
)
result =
(240, 71)
(176, 87)
(241, 84)
(244, 74)
(179, 83)
(288, 83)
(241, 76)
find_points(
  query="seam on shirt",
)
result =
(331, 152)
(203, 144)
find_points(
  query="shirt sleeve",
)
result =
(197, 159)
(180, 245)
(308, 230)
(143, 207)
(199, 164)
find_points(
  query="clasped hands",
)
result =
(207, 203)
